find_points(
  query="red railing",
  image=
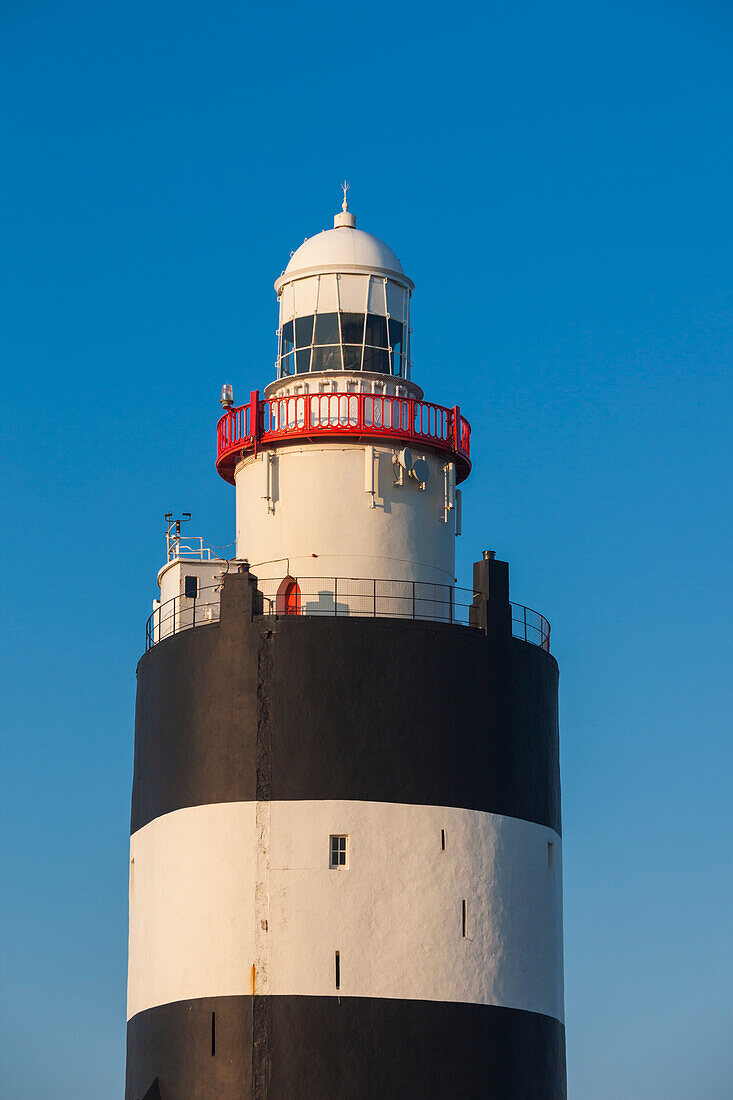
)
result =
(278, 419)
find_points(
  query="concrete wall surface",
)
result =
(309, 504)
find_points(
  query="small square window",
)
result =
(190, 587)
(338, 851)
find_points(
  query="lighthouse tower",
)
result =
(345, 857)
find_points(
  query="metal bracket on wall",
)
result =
(449, 498)
(369, 486)
(268, 458)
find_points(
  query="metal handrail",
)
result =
(367, 597)
(181, 613)
(191, 549)
(530, 626)
(355, 597)
(281, 418)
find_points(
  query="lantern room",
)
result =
(344, 305)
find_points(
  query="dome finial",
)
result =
(344, 220)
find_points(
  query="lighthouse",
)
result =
(345, 853)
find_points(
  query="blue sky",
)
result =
(557, 180)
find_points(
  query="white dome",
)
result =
(343, 250)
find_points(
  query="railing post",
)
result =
(456, 417)
(413, 599)
(374, 603)
(335, 595)
(525, 623)
(254, 414)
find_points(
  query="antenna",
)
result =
(173, 532)
(345, 187)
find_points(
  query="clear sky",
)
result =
(557, 180)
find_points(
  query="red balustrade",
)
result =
(278, 419)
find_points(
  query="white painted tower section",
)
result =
(204, 879)
(345, 510)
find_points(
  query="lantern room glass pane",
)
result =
(328, 301)
(352, 328)
(396, 300)
(302, 361)
(303, 332)
(353, 293)
(327, 358)
(377, 300)
(286, 365)
(286, 344)
(377, 360)
(327, 329)
(352, 357)
(306, 295)
(287, 301)
(395, 335)
(376, 331)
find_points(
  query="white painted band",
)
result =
(228, 899)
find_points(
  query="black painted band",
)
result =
(362, 709)
(328, 1048)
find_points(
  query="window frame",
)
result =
(335, 862)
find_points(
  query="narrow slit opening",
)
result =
(338, 970)
(463, 918)
(213, 1034)
(550, 854)
(442, 840)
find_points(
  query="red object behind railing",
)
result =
(278, 419)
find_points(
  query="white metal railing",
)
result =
(182, 613)
(190, 549)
